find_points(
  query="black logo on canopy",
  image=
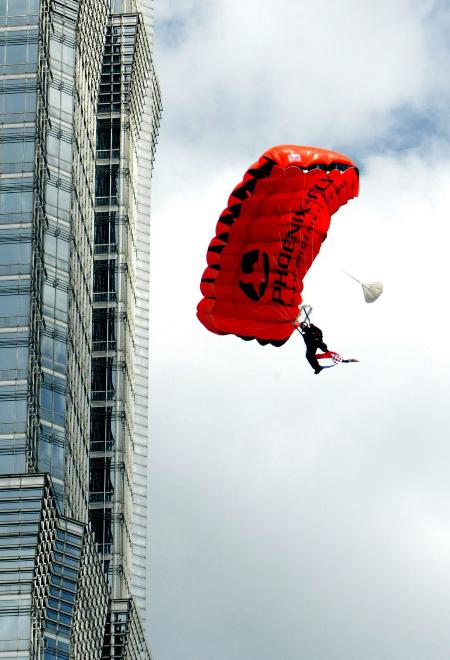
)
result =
(255, 274)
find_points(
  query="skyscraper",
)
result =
(79, 114)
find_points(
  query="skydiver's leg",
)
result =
(311, 357)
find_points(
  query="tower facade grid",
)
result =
(79, 115)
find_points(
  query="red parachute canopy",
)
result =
(267, 238)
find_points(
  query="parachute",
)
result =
(267, 238)
(371, 290)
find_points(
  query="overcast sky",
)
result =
(293, 516)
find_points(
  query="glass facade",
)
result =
(19, 30)
(47, 563)
(79, 115)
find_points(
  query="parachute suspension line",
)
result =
(352, 276)
(306, 310)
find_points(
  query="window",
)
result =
(16, 155)
(56, 249)
(102, 528)
(108, 138)
(18, 7)
(16, 202)
(13, 360)
(100, 480)
(103, 378)
(54, 352)
(14, 103)
(51, 458)
(12, 463)
(18, 52)
(15, 257)
(55, 301)
(53, 400)
(14, 305)
(13, 413)
(104, 280)
(58, 198)
(103, 330)
(62, 53)
(59, 150)
(60, 102)
(106, 184)
(12, 410)
(56, 650)
(14, 627)
(102, 434)
(105, 232)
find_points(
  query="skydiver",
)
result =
(313, 338)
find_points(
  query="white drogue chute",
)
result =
(371, 290)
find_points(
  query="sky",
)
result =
(296, 516)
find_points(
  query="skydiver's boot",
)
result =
(318, 369)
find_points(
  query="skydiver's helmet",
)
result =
(303, 325)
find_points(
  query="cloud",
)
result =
(260, 73)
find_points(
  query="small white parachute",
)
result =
(371, 290)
